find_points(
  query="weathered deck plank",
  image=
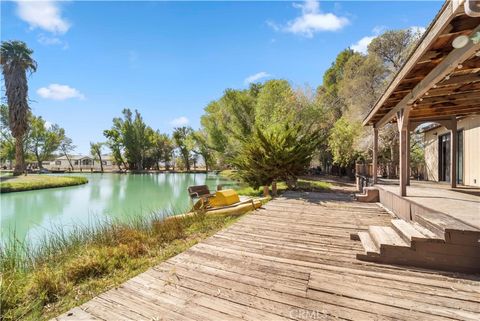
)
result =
(292, 260)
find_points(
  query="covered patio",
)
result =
(437, 225)
(439, 83)
(462, 203)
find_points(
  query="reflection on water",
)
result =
(118, 196)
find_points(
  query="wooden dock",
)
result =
(292, 260)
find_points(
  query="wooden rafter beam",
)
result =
(449, 64)
(449, 11)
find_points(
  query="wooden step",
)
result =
(370, 195)
(385, 236)
(407, 231)
(448, 227)
(429, 234)
(368, 244)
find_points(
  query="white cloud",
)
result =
(311, 21)
(256, 77)
(52, 41)
(45, 15)
(362, 44)
(59, 92)
(417, 30)
(48, 41)
(180, 121)
(273, 25)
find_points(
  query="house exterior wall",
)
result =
(471, 150)
(78, 164)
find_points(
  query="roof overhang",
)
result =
(438, 80)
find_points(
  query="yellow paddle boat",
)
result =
(223, 201)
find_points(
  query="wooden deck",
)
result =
(292, 260)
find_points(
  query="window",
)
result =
(76, 162)
(104, 162)
(58, 162)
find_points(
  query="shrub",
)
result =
(94, 263)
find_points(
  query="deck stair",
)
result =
(369, 195)
(433, 240)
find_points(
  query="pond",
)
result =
(33, 214)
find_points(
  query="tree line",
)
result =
(136, 146)
(270, 131)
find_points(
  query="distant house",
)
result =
(80, 162)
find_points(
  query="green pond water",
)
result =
(34, 214)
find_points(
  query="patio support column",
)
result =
(408, 156)
(375, 155)
(402, 122)
(453, 152)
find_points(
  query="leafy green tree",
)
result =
(167, 148)
(114, 142)
(328, 91)
(131, 136)
(276, 100)
(16, 60)
(202, 148)
(96, 151)
(44, 140)
(182, 137)
(393, 47)
(66, 148)
(229, 120)
(341, 142)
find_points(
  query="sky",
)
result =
(170, 59)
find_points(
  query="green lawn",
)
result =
(34, 181)
(302, 185)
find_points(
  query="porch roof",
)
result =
(437, 81)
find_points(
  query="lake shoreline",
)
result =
(69, 269)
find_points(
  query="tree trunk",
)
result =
(187, 163)
(68, 159)
(19, 160)
(274, 188)
(266, 191)
(101, 163)
(39, 162)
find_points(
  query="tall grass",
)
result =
(65, 269)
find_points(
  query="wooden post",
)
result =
(274, 188)
(408, 157)
(375, 155)
(453, 152)
(402, 122)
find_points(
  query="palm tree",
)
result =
(16, 59)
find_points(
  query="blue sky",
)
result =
(170, 59)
